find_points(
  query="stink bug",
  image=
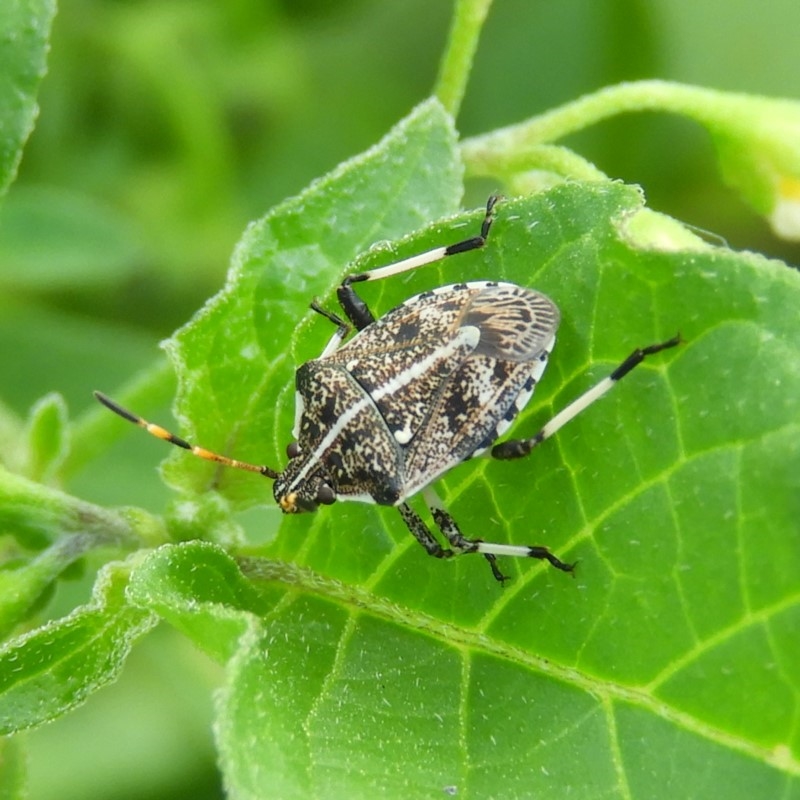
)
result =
(432, 383)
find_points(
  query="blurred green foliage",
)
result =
(166, 126)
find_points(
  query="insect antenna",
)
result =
(200, 452)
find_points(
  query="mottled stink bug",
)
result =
(430, 384)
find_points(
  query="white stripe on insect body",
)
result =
(312, 461)
(465, 339)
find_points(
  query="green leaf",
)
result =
(60, 241)
(47, 436)
(26, 27)
(65, 530)
(393, 673)
(198, 588)
(26, 585)
(12, 452)
(52, 669)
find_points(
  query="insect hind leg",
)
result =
(518, 448)
(357, 310)
(490, 550)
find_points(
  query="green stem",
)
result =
(462, 43)
(482, 152)
(35, 513)
(516, 166)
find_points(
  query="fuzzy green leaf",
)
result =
(25, 26)
(383, 672)
(199, 589)
(50, 670)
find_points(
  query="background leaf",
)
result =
(54, 668)
(58, 241)
(12, 769)
(25, 25)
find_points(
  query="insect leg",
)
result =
(356, 309)
(342, 329)
(490, 550)
(517, 448)
(421, 532)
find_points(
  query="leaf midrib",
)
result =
(357, 601)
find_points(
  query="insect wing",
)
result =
(482, 397)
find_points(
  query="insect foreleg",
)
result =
(356, 309)
(342, 329)
(517, 448)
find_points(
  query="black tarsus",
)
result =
(639, 355)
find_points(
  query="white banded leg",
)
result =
(363, 316)
(490, 550)
(356, 309)
(517, 448)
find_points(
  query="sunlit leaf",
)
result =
(394, 673)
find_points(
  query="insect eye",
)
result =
(326, 495)
(292, 449)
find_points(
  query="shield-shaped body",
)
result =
(428, 385)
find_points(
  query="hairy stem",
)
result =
(462, 43)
